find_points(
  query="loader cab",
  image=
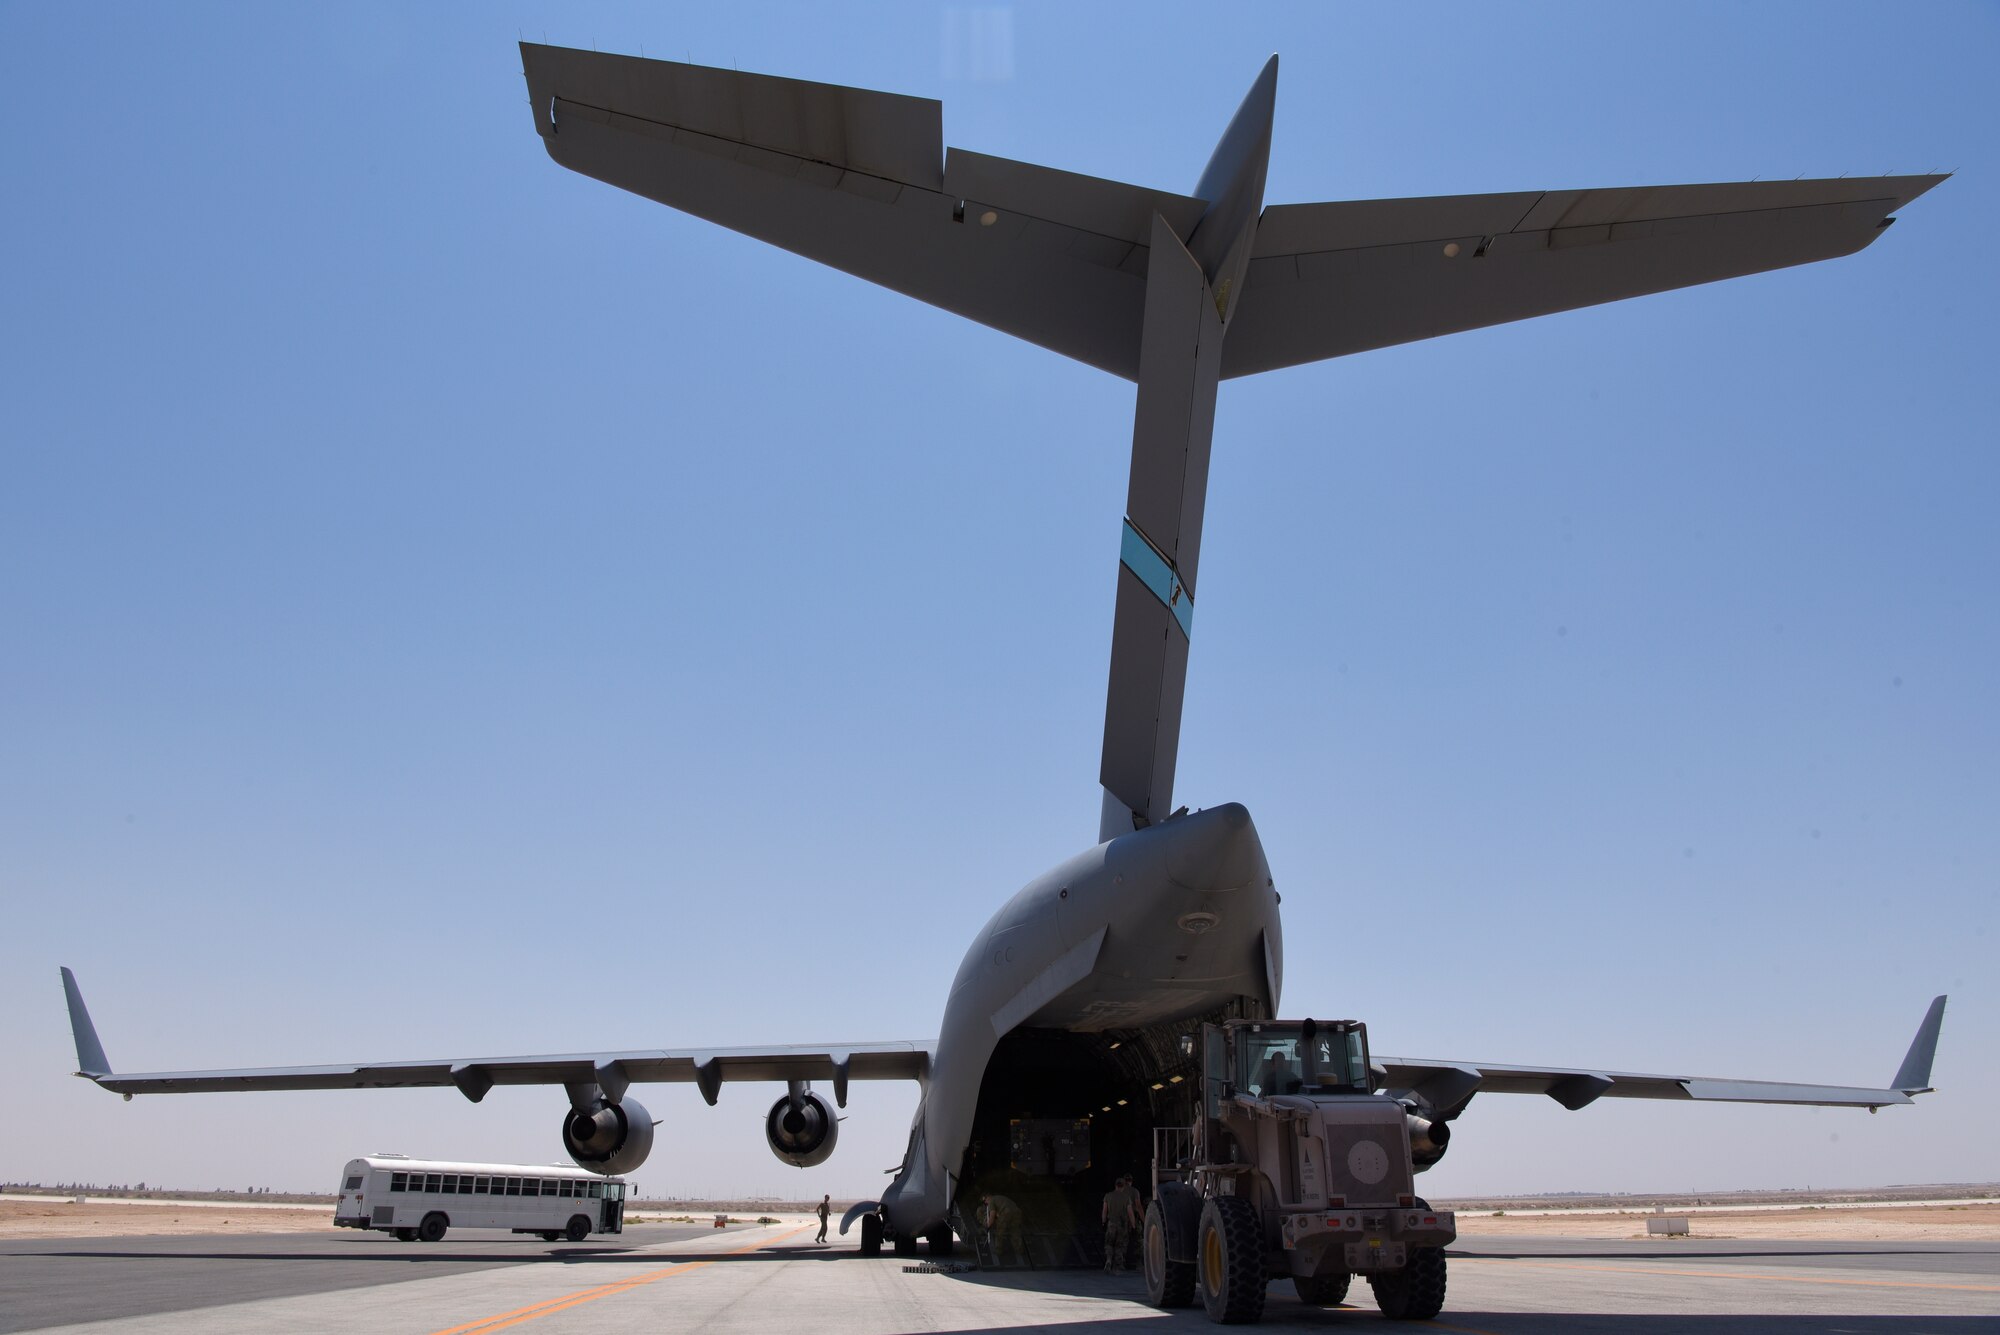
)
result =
(1266, 1058)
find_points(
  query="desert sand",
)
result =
(1972, 1222)
(56, 1217)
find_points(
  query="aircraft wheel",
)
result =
(1416, 1292)
(939, 1240)
(578, 1230)
(1168, 1283)
(1323, 1290)
(432, 1229)
(906, 1244)
(406, 1235)
(1230, 1264)
(871, 1235)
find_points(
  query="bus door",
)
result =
(614, 1207)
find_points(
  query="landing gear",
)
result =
(871, 1235)
(1231, 1268)
(1323, 1290)
(578, 1230)
(1168, 1283)
(432, 1229)
(1416, 1292)
(906, 1244)
(939, 1240)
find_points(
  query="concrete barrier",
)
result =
(1672, 1225)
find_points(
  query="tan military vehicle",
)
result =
(1295, 1167)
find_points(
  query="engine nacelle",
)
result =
(1428, 1141)
(611, 1138)
(801, 1133)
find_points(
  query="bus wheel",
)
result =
(551, 1237)
(432, 1229)
(578, 1230)
(406, 1235)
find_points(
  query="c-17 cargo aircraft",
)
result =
(1072, 1002)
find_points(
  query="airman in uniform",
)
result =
(1002, 1219)
(1120, 1216)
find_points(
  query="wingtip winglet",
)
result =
(90, 1060)
(1914, 1075)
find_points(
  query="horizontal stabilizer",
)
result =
(1331, 279)
(860, 180)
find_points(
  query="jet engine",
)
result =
(1428, 1140)
(611, 1137)
(801, 1129)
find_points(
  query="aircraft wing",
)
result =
(708, 1068)
(1447, 1086)
(861, 181)
(1326, 280)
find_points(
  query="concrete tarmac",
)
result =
(757, 1279)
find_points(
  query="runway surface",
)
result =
(772, 1278)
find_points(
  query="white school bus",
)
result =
(418, 1199)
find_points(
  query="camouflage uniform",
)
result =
(1121, 1206)
(1003, 1221)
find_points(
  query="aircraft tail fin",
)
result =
(1914, 1075)
(90, 1060)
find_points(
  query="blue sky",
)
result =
(453, 607)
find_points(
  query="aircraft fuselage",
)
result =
(1170, 922)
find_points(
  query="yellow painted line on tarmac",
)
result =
(502, 1320)
(1733, 1274)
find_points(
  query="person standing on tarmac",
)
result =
(825, 1209)
(1120, 1216)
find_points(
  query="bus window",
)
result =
(482, 1186)
(434, 1182)
(617, 1191)
(465, 1182)
(353, 1184)
(448, 1184)
(596, 1191)
(398, 1181)
(548, 1186)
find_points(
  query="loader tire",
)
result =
(1230, 1261)
(1416, 1292)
